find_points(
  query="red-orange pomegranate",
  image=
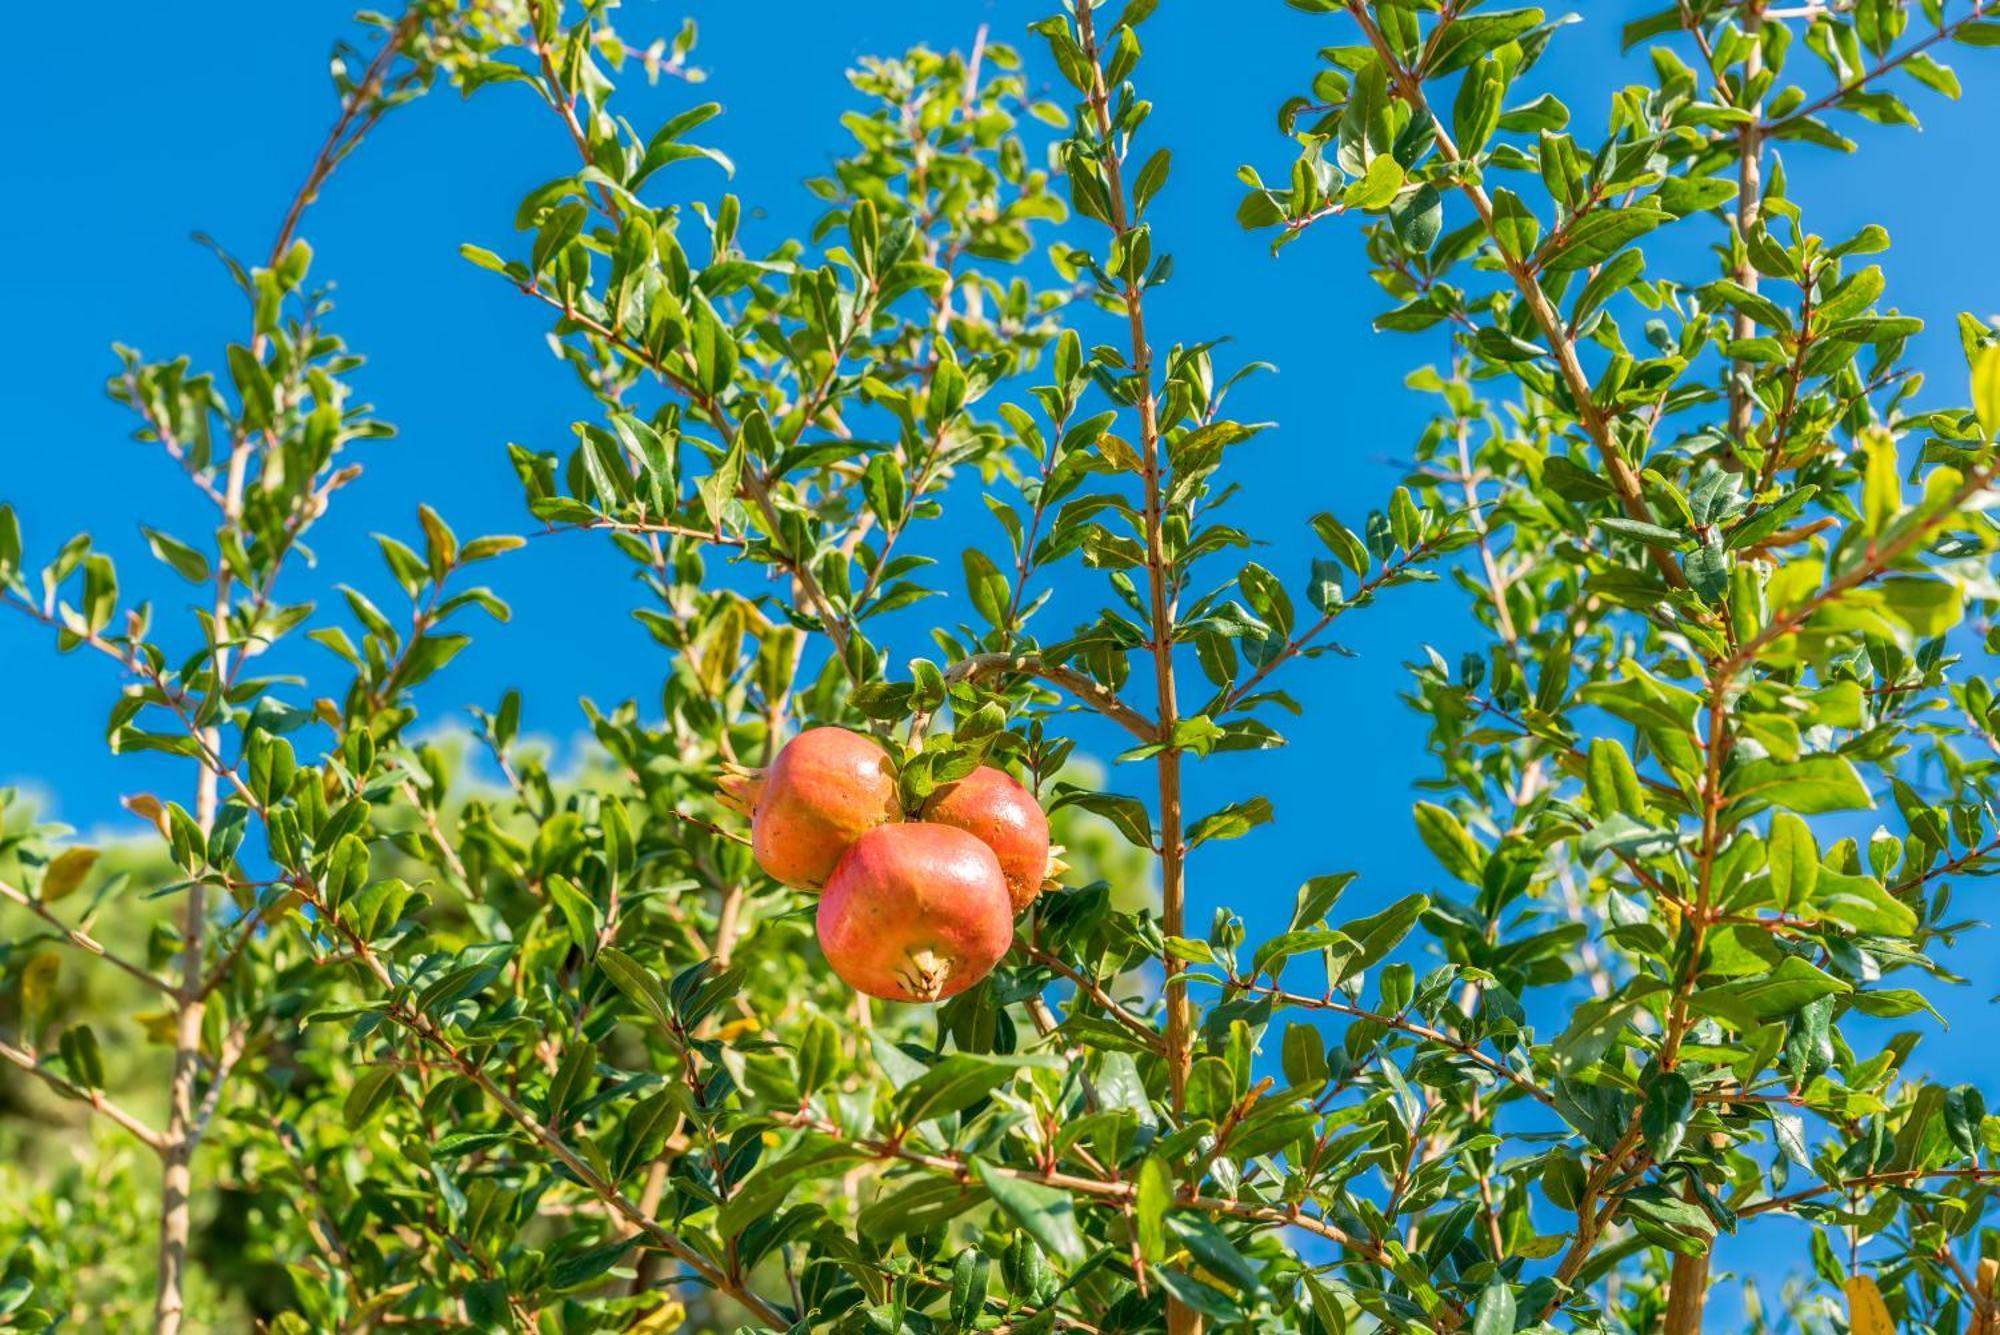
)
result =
(826, 789)
(916, 912)
(991, 807)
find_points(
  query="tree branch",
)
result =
(94, 1099)
(1624, 480)
(84, 941)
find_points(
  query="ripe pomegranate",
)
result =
(990, 806)
(916, 912)
(827, 788)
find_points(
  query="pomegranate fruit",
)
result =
(991, 807)
(916, 912)
(827, 788)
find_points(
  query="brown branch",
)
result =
(1305, 639)
(361, 107)
(1887, 66)
(1160, 599)
(1866, 1180)
(1086, 689)
(1092, 988)
(1624, 479)
(83, 941)
(1878, 560)
(1402, 1023)
(428, 1032)
(1101, 1192)
(92, 1098)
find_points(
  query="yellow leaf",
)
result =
(147, 808)
(1987, 1286)
(1120, 453)
(38, 985)
(1986, 388)
(66, 873)
(1867, 1314)
(666, 1317)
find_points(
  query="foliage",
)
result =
(455, 1041)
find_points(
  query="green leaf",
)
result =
(760, 1194)
(1790, 987)
(1515, 226)
(665, 147)
(712, 348)
(1793, 857)
(1861, 903)
(1929, 607)
(957, 1082)
(1047, 1214)
(368, 1096)
(1473, 36)
(573, 1272)
(1495, 1313)
(1621, 833)
(1811, 785)
(1232, 822)
(638, 984)
(1379, 186)
(921, 1205)
(188, 563)
(1682, 195)
(1596, 1024)
(1986, 385)
(1612, 782)
(1640, 531)
(481, 256)
(1598, 236)
(83, 1056)
(1154, 1197)
(987, 587)
(818, 1054)
(426, 656)
(1964, 1118)
(1418, 217)
(1449, 842)
(579, 912)
(1882, 483)
(1211, 1247)
(1380, 933)
(10, 544)
(346, 870)
(1664, 1120)
(969, 1276)
(253, 388)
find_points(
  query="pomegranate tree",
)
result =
(381, 1037)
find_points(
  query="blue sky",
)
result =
(162, 125)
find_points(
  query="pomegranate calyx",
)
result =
(924, 973)
(741, 789)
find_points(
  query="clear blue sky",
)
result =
(162, 124)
